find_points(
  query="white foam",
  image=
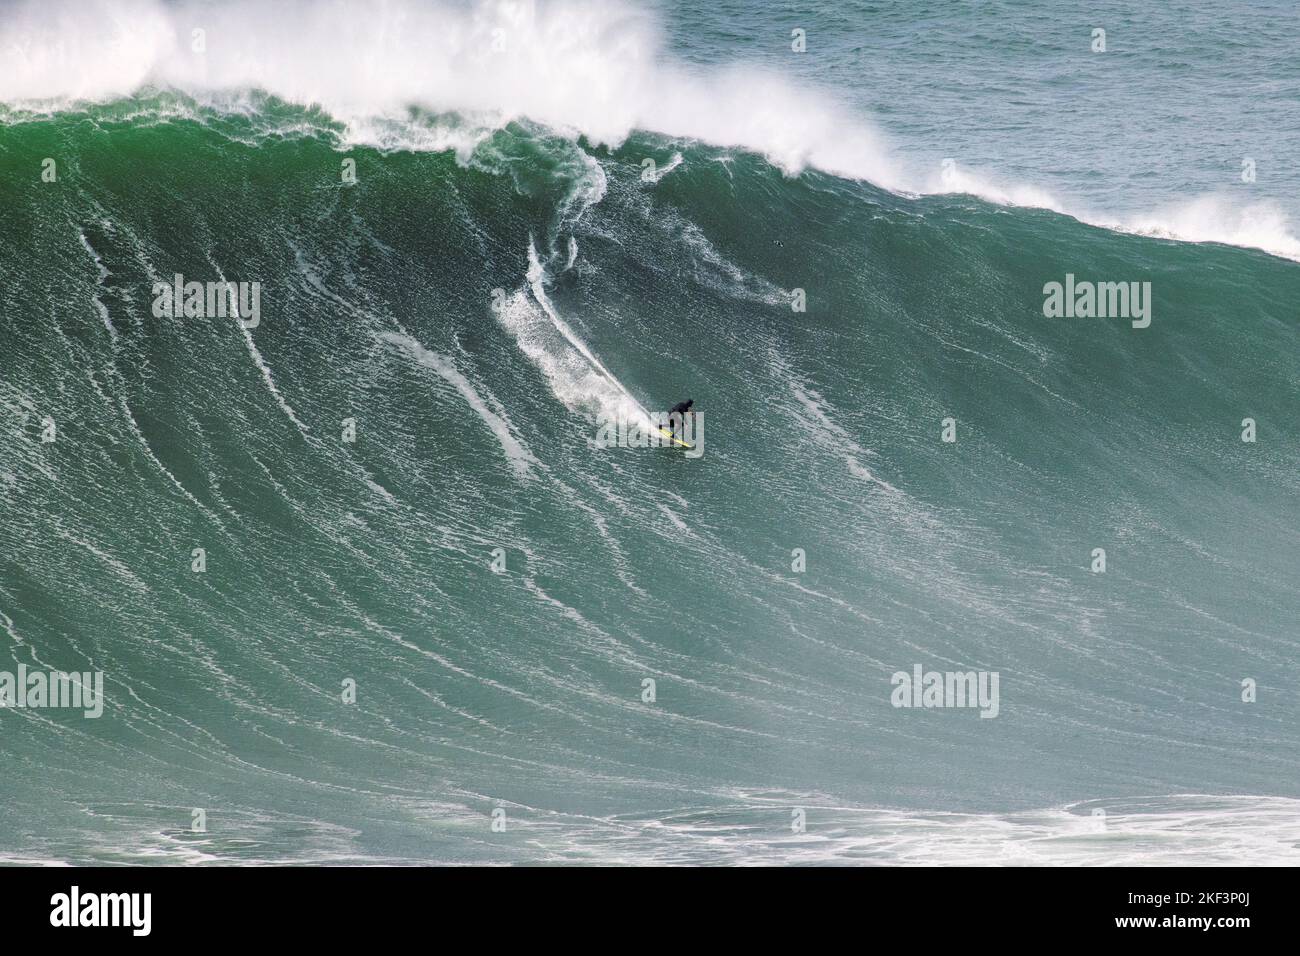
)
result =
(654, 175)
(1217, 218)
(111, 562)
(954, 178)
(584, 66)
(1212, 217)
(99, 282)
(600, 69)
(1182, 830)
(265, 369)
(520, 458)
(831, 434)
(576, 376)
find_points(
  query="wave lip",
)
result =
(593, 69)
(1213, 217)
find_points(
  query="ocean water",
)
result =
(430, 604)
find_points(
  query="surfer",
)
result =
(677, 413)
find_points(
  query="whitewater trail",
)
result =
(103, 274)
(520, 458)
(255, 354)
(576, 376)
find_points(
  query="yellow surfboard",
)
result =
(675, 440)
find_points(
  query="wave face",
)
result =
(481, 293)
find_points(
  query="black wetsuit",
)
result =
(676, 412)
